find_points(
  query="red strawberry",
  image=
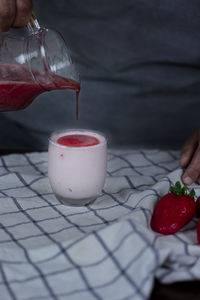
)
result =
(198, 206)
(174, 210)
(198, 230)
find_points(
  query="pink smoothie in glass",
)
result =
(77, 161)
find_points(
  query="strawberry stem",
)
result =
(192, 193)
(182, 190)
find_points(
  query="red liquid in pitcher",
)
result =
(21, 90)
(17, 95)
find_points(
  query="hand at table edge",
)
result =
(190, 158)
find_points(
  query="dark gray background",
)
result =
(139, 62)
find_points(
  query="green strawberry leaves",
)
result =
(192, 193)
(182, 190)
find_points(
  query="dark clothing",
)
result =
(139, 62)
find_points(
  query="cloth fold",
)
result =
(105, 250)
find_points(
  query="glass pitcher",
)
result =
(32, 65)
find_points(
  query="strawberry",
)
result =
(198, 206)
(198, 230)
(174, 210)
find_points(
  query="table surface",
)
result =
(180, 290)
(176, 291)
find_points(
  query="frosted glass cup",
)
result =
(77, 173)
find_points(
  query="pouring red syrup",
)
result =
(78, 140)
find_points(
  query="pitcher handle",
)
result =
(33, 24)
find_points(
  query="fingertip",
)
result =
(187, 180)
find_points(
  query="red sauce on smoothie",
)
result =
(78, 140)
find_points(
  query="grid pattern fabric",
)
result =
(105, 250)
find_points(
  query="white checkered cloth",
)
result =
(106, 250)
